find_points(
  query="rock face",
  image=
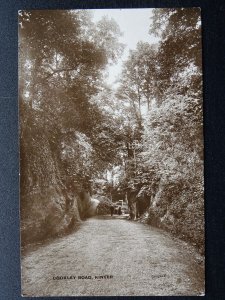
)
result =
(46, 214)
(48, 208)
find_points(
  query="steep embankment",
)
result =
(179, 210)
(48, 208)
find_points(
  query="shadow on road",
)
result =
(35, 246)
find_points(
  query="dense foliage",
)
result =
(168, 167)
(142, 141)
(62, 58)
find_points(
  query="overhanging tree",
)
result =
(62, 58)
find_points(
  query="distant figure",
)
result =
(112, 210)
(119, 211)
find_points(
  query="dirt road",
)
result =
(131, 259)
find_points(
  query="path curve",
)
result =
(138, 260)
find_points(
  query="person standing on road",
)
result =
(112, 210)
(119, 211)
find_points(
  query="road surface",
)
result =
(112, 256)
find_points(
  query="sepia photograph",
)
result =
(111, 152)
